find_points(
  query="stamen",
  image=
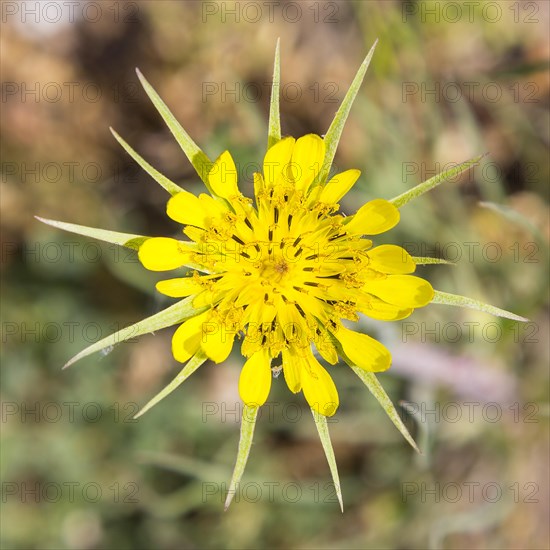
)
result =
(334, 237)
(300, 310)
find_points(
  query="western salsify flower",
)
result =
(284, 271)
(284, 275)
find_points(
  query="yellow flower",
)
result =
(282, 271)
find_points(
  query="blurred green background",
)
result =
(449, 80)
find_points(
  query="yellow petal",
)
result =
(180, 287)
(325, 346)
(276, 161)
(291, 371)
(307, 160)
(373, 218)
(187, 338)
(363, 351)
(319, 389)
(255, 379)
(186, 208)
(389, 258)
(217, 340)
(378, 309)
(406, 291)
(338, 186)
(163, 254)
(223, 176)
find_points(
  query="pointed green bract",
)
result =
(462, 301)
(166, 318)
(322, 429)
(248, 423)
(194, 153)
(370, 380)
(192, 365)
(114, 237)
(332, 137)
(418, 260)
(274, 128)
(429, 184)
(162, 180)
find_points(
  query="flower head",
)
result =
(282, 271)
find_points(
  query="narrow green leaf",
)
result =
(191, 366)
(274, 129)
(194, 153)
(370, 380)
(322, 429)
(332, 137)
(122, 239)
(418, 260)
(176, 313)
(248, 423)
(429, 184)
(462, 301)
(162, 180)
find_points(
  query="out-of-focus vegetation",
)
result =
(447, 82)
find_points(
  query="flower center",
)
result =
(274, 269)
